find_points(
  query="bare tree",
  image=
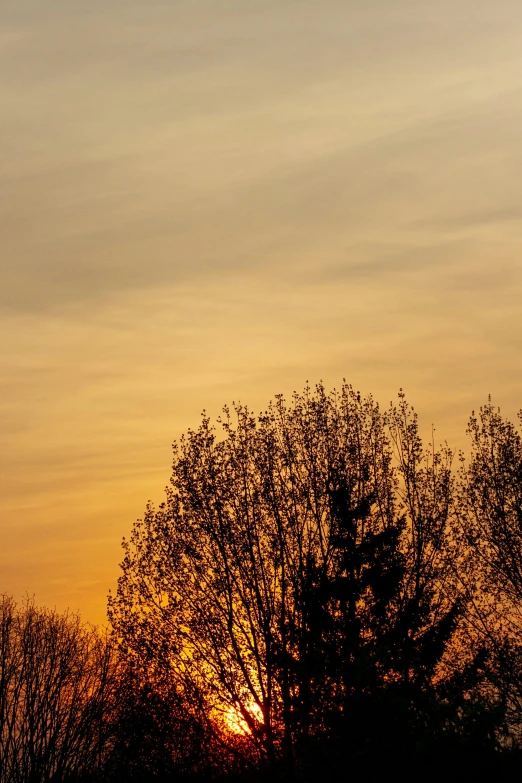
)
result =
(56, 679)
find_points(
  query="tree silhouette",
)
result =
(490, 531)
(56, 689)
(153, 736)
(299, 581)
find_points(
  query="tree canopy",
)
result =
(302, 580)
(321, 593)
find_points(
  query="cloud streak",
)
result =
(212, 199)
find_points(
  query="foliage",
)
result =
(490, 528)
(299, 576)
(321, 593)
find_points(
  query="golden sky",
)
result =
(208, 200)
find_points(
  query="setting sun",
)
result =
(235, 721)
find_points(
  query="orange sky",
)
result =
(207, 200)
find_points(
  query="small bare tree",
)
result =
(56, 681)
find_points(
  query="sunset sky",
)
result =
(213, 200)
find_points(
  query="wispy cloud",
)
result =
(210, 199)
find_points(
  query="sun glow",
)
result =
(235, 721)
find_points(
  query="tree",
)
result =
(494, 502)
(154, 738)
(298, 581)
(490, 530)
(56, 684)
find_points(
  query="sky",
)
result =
(213, 200)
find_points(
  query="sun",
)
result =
(235, 721)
